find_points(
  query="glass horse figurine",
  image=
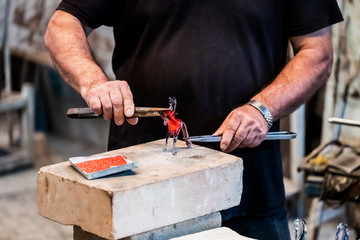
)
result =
(175, 125)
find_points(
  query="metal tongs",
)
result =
(87, 113)
(282, 135)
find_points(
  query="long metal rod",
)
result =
(6, 49)
(282, 135)
(343, 121)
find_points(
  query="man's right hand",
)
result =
(112, 99)
(66, 40)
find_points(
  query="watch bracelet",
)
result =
(263, 110)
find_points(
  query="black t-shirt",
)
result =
(213, 56)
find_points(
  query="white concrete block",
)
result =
(214, 234)
(164, 190)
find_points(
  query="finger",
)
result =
(258, 139)
(239, 137)
(117, 105)
(255, 134)
(256, 142)
(107, 107)
(248, 140)
(95, 104)
(132, 121)
(229, 134)
(127, 99)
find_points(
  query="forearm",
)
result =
(66, 42)
(301, 78)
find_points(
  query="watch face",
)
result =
(263, 108)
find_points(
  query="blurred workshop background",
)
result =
(34, 129)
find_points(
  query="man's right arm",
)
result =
(66, 40)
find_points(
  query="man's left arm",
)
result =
(297, 82)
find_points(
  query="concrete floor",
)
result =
(18, 212)
(18, 208)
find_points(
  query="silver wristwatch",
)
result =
(263, 110)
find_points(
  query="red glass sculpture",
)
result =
(175, 125)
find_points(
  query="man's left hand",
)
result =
(244, 127)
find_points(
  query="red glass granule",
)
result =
(101, 164)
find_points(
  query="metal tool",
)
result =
(343, 121)
(282, 135)
(87, 113)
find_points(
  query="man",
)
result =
(214, 57)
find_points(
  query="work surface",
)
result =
(163, 190)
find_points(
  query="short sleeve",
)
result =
(307, 16)
(92, 13)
